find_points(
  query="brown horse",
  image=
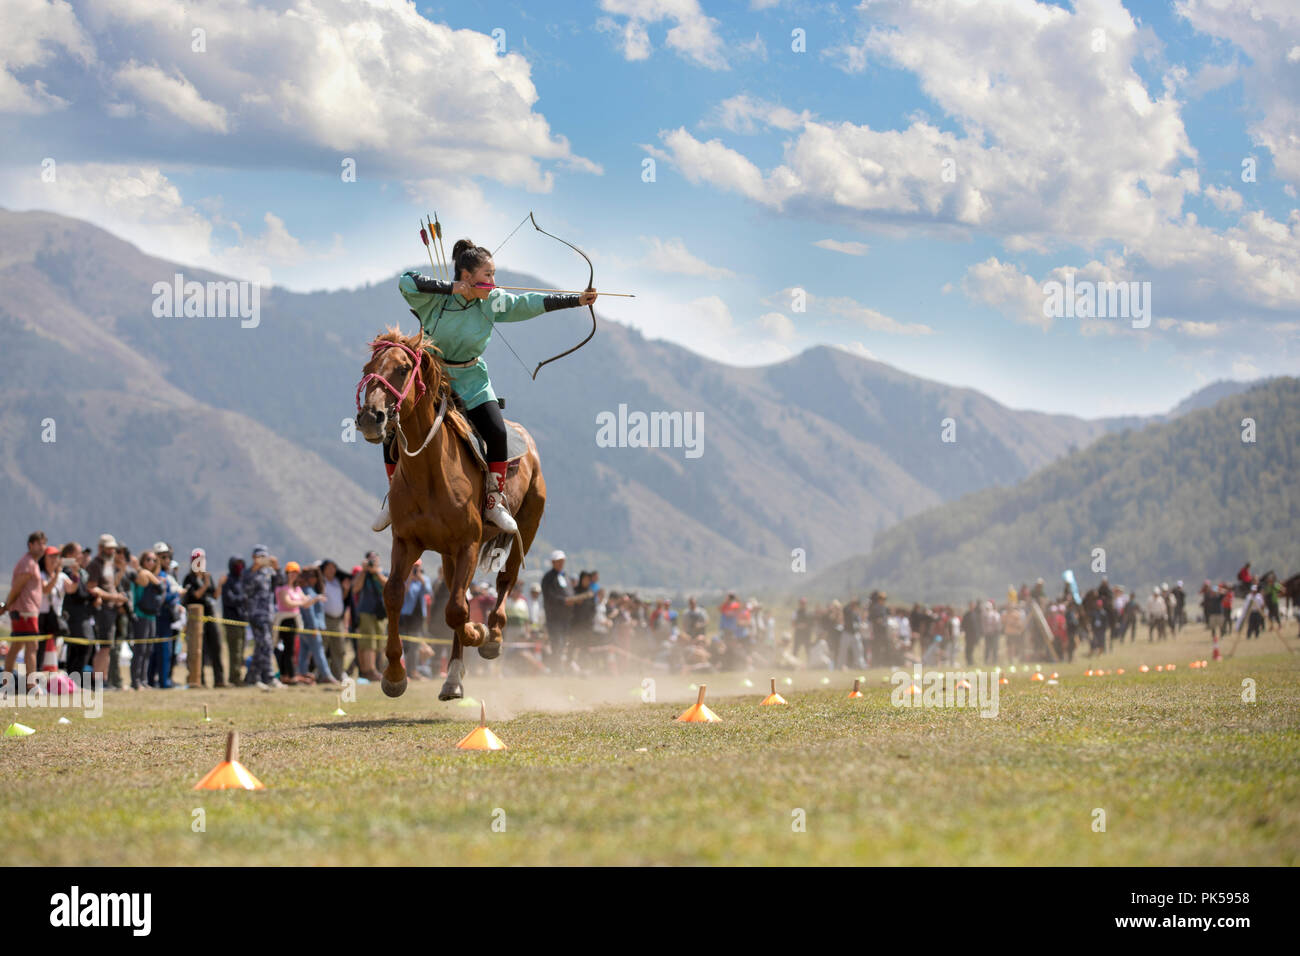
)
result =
(436, 496)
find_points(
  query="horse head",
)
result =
(401, 372)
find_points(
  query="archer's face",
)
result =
(486, 274)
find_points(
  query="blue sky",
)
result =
(1098, 139)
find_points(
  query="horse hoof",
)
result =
(393, 690)
(490, 651)
(474, 634)
(451, 691)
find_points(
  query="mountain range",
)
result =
(202, 431)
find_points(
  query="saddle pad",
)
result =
(516, 447)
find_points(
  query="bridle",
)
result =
(416, 377)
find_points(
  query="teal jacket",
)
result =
(462, 329)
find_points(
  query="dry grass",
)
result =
(1186, 772)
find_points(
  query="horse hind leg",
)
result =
(528, 516)
(490, 650)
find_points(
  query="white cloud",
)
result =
(33, 31)
(1004, 287)
(1057, 146)
(1267, 32)
(1212, 76)
(671, 255)
(779, 326)
(858, 349)
(1244, 367)
(172, 93)
(1199, 330)
(714, 163)
(142, 206)
(1226, 199)
(713, 332)
(857, 313)
(308, 82)
(693, 34)
(745, 114)
(848, 248)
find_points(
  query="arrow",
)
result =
(522, 288)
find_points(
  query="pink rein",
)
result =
(378, 346)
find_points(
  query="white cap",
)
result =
(106, 540)
(161, 546)
(557, 555)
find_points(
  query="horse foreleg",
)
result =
(456, 571)
(404, 555)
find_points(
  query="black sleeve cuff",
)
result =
(553, 302)
(428, 284)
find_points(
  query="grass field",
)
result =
(1186, 772)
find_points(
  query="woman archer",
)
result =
(458, 318)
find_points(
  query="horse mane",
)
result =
(437, 383)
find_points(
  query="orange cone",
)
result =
(230, 774)
(699, 714)
(1036, 677)
(963, 684)
(773, 699)
(1120, 671)
(480, 738)
(1004, 682)
(1144, 668)
(855, 693)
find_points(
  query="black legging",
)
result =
(488, 421)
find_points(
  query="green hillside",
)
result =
(1188, 499)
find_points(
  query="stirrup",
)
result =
(384, 519)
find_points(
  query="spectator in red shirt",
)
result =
(24, 606)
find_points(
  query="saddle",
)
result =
(516, 447)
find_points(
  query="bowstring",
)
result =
(496, 330)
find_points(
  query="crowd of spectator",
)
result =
(84, 610)
(122, 615)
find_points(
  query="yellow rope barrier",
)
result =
(28, 638)
(324, 633)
